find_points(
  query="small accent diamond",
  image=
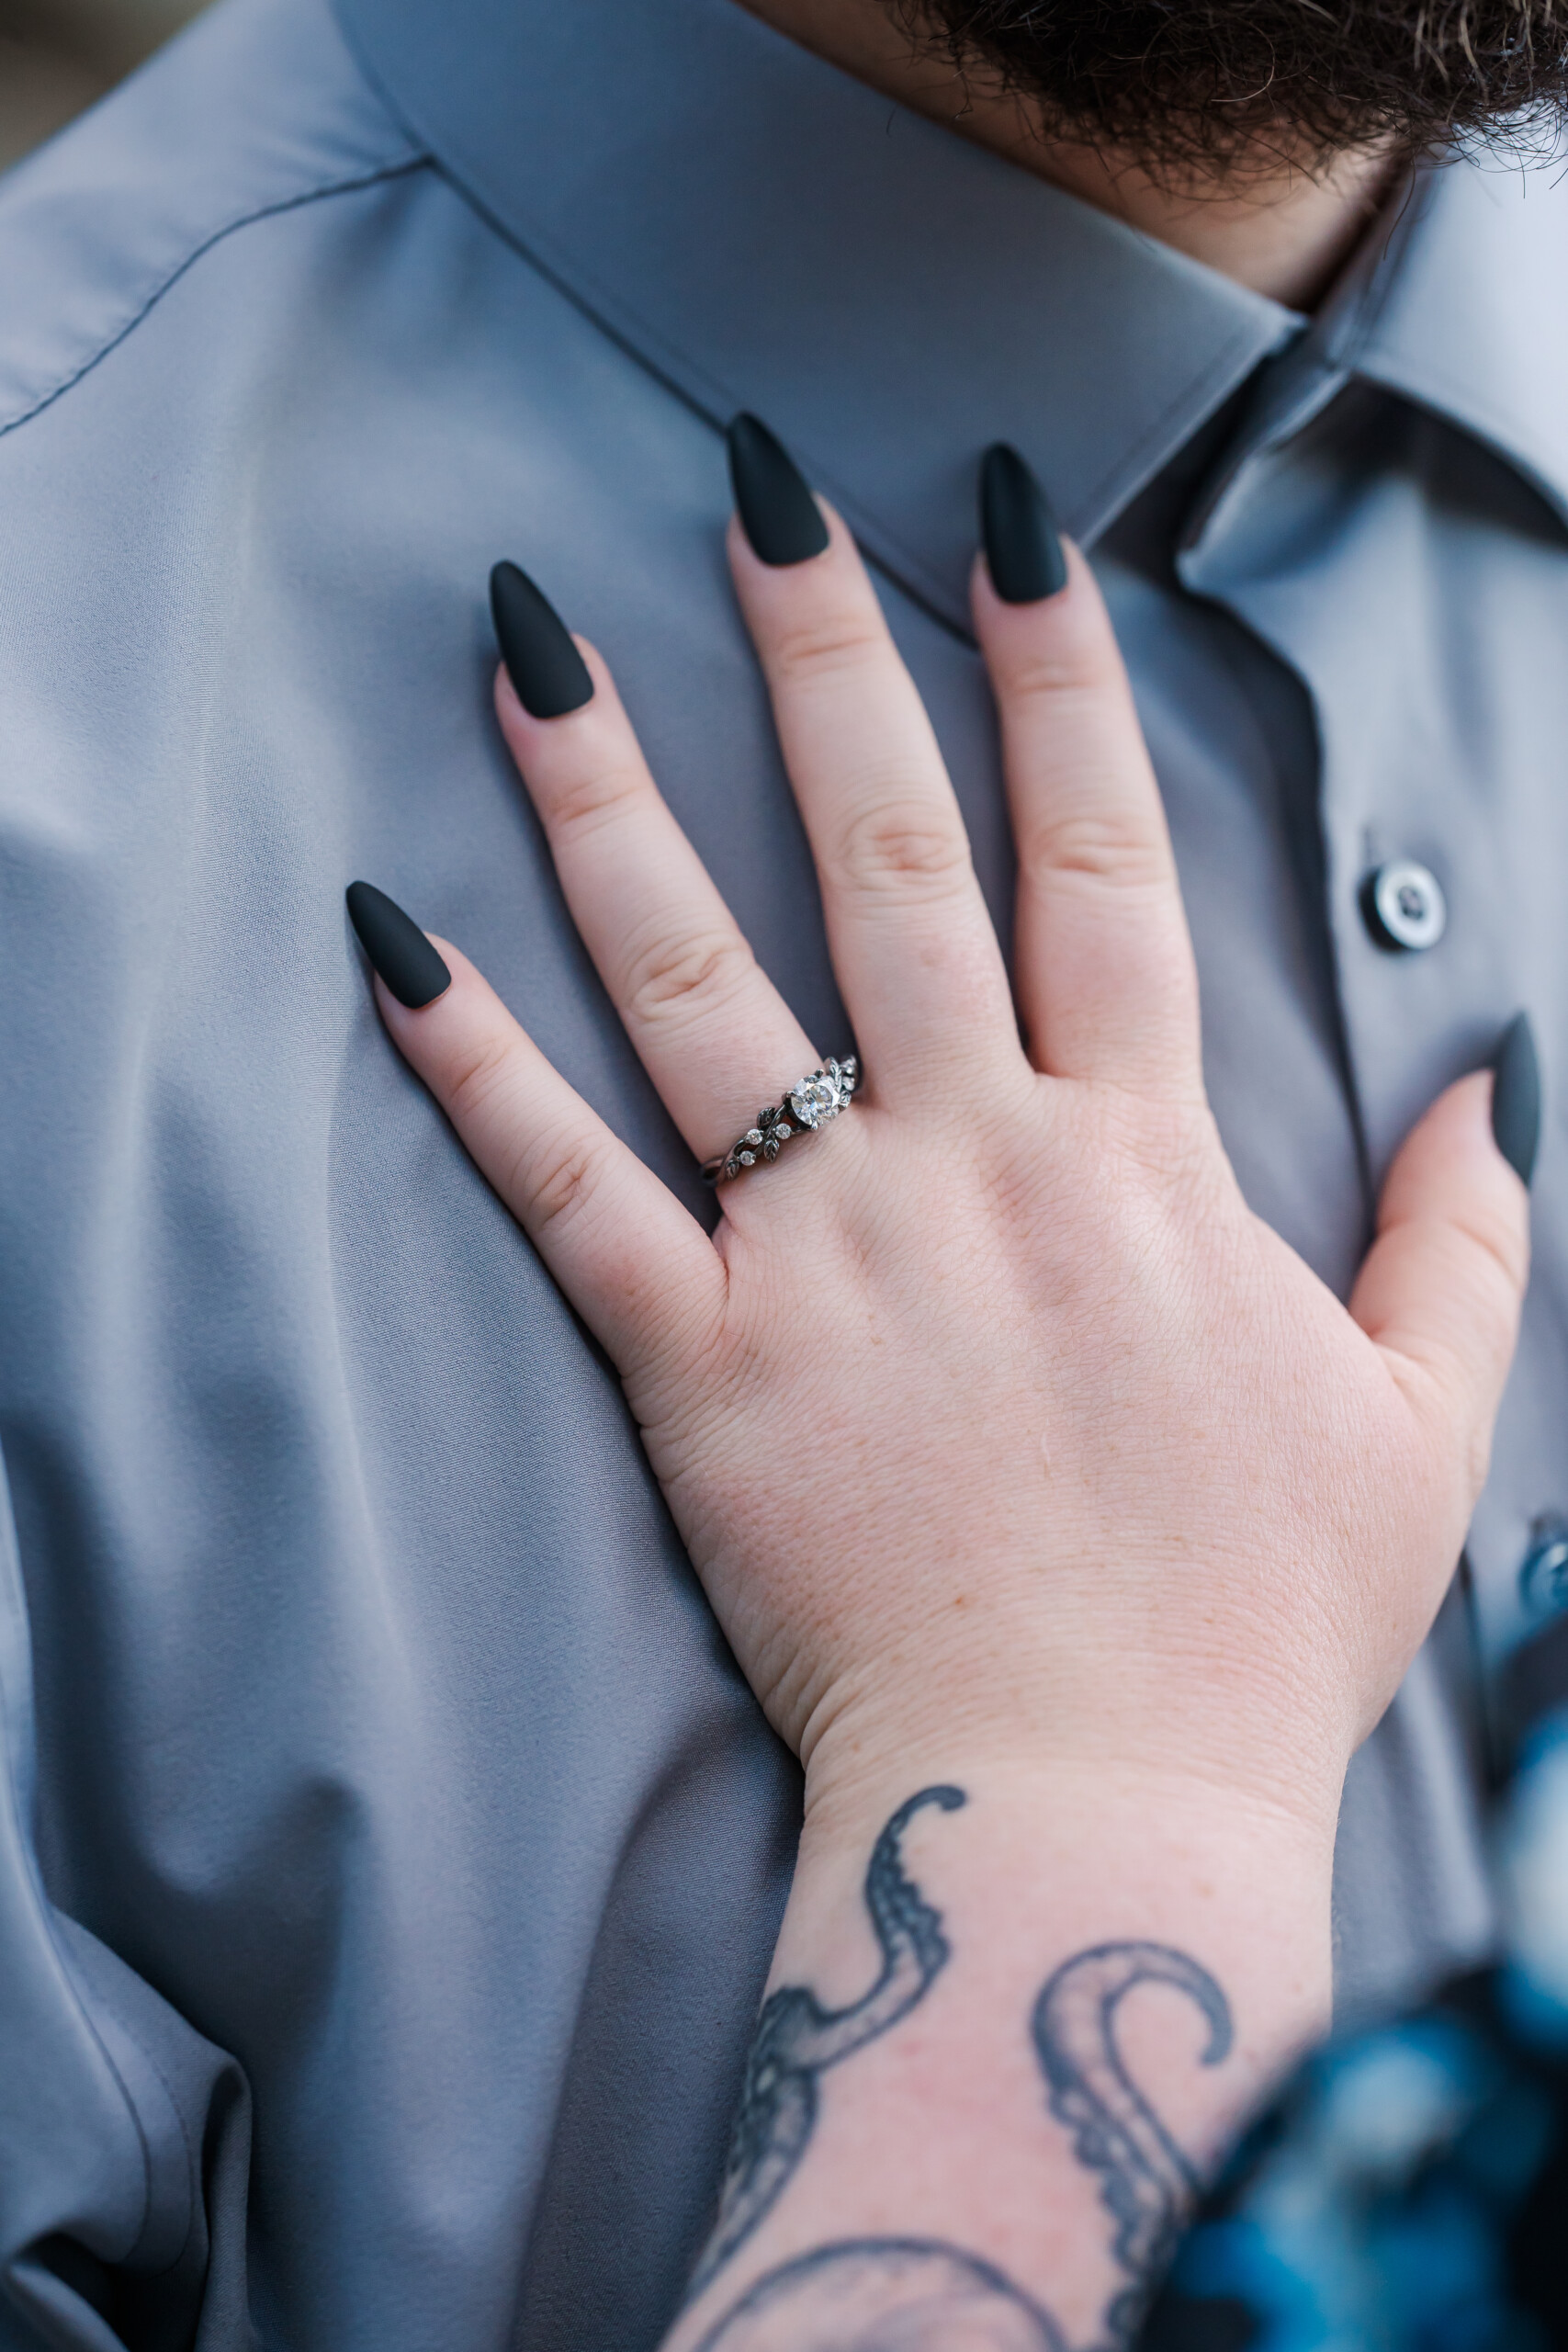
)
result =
(819, 1096)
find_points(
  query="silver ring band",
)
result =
(809, 1105)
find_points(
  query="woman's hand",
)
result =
(993, 1400)
(1014, 1454)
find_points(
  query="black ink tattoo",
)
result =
(797, 2039)
(1149, 2184)
(886, 2295)
(917, 2294)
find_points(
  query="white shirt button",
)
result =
(1403, 906)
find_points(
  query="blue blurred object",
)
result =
(1406, 2192)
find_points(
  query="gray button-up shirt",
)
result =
(390, 1852)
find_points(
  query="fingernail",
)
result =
(550, 674)
(781, 521)
(1018, 530)
(1516, 1097)
(399, 951)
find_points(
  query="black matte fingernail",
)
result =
(1018, 530)
(1516, 1097)
(781, 521)
(550, 674)
(399, 951)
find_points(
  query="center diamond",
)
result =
(815, 1098)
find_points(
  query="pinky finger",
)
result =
(639, 1269)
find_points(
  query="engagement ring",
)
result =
(810, 1104)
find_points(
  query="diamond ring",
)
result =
(811, 1104)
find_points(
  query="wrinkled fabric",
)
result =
(390, 1852)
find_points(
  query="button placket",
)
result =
(1444, 826)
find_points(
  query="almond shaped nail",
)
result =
(1018, 530)
(1516, 1097)
(781, 521)
(399, 954)
(548, 672)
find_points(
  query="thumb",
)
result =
(1440, 1290)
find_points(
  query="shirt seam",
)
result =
(242, 220)
(89, 1997)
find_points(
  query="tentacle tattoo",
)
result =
(797, 2039)
(886, 2295)
(1149, 2184)
(919, 2295)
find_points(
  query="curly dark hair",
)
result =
(1184, 85)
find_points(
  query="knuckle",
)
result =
(472, 1077)
(579, 804)
(1071, 668)
(901, 847)
(683, 976)
(1503, 1246)
(1103, 843)
(1483, 1264)
(816, 646)
(558, 1181)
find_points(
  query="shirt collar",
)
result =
(765, 233)
(1462, 310)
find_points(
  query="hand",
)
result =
(1033, 1479)
(993, 1420)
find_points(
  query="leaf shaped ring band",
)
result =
(809, 1104)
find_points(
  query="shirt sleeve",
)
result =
(124, 2134)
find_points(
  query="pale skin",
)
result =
(1280, 222)
(1135, 1527)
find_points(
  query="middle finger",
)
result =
(913, 944)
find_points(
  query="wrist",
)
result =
(1061, 1858)
(1095, 1741)
(1214, 1791)
(1012, 2007)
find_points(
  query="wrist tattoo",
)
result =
(796, 2041)
(919, 2294)
(1149, 2183)
(886, 2295)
